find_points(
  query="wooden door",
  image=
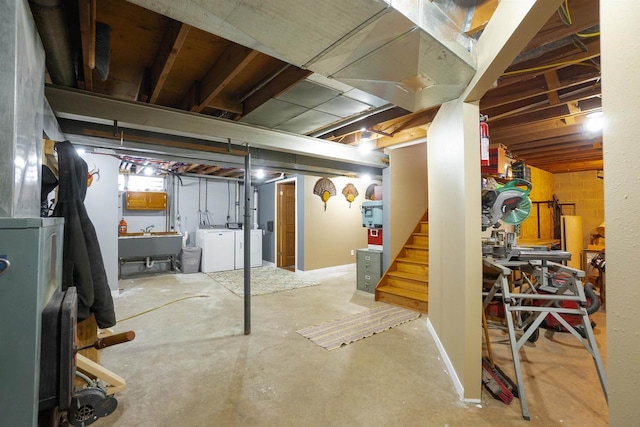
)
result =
(286, 248)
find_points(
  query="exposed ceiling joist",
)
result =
(230, 63)
(87, 14)
(172, 42)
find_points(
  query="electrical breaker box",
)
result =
(372, 214)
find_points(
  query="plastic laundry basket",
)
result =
(190, 259)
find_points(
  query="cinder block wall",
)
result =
(542, 183)
(586, 190)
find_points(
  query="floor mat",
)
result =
(334, 334)
(264, 280)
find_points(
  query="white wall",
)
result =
(621, 107)
(205, 202)
(101, 203)
(455, 255)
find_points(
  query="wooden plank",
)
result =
(172, 42)
(90, 367)
(526, 107)
(481, 16)
(562, 166)
(585, 14)
(275, 85)
(87, 15)
(553, 84)
(232, 61)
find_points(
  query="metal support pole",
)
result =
(247, 243)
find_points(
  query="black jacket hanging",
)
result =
(83, 266)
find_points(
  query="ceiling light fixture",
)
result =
(148, 170)
(365, 178)
(259, 174)
(366, 146)
(594, 122)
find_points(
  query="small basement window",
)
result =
(140, 183)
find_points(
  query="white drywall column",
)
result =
(621, 107)
(455, 255)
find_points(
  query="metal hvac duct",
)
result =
(408, 52)
(52, 25)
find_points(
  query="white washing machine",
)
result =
(217, 249)
(256, 248)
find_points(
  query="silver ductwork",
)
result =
(21, 103)
(52, 26)
(408, 52)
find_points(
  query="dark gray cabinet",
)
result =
(369, 269)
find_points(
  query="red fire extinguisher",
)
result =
(484, 141)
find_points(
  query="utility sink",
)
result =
(142, 245)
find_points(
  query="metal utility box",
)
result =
(372, 214)
(369, 269)
(30, 273)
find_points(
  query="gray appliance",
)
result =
(30, 272)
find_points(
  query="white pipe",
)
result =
(238, 202)
(149, 262)
(255, 208)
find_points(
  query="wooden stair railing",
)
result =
(406, 281)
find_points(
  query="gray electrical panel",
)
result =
(369, 269)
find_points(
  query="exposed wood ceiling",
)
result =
(537, 109)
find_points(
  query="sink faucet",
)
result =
(147, 229)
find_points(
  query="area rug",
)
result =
(264, 280)
(334, 334)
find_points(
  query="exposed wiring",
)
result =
(160, 306)
(565, 17)
(585, 35)
(545, 67)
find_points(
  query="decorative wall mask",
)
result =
(369, 193)
(350, 193)
(325, 189)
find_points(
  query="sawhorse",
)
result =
(570, 290)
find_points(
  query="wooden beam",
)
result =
(536, 131)
(210, 170)
(584, 13)
(523, 107)
(507, 94)
(230, 63)
(401, 137)
(370, 121)
(275, 85)
(116, 382)
(87, 15)
(481, 16)
(553, 84)
(552, 141)
(226, 104)
(563, 167)
(172, 42)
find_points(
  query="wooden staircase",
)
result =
(406, 281)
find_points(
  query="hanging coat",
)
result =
(82, 266)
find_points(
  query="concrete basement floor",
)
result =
(191, 364)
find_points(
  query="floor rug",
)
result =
(264, 280)
(334, 334)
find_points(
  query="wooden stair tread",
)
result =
(413, 261)
(410, 276)
(417, 246)
(419, 296)
(421, 234)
